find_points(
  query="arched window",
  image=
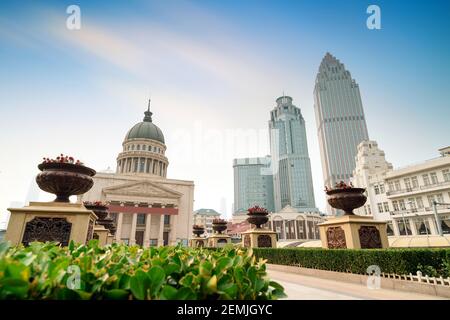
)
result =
(138, 147)
(132, 147)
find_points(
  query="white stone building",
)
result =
(205, 218)
(149, 209)
(293, 224)
(404, 197)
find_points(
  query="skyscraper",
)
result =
(252, 183)
(292, 177)
(340, 120)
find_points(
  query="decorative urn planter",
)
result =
(257, 216)
(100, 210)
(64, 179)
(219, 225)
(198, 230)
(346, 199)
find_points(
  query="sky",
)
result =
(213, 70)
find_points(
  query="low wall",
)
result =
(386, 283)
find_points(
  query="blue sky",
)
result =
(214, 70)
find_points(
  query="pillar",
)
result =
(161, 230)
(119, 226)
(148, 226)
(173, 229)
(133, 229)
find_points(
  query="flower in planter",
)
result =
(63, 159)
(95, 203)
(197, 226)
(257, 210)
(340, 186)
(219, 221)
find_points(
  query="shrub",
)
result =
(48, 271)
(398, 261)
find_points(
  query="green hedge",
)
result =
(48, 271)
(434, 262)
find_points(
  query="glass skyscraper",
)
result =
(292, 179)
(340, 120)
(253, 183)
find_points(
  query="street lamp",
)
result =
(438, 223)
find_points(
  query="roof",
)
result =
(146, 129)
(207, 212)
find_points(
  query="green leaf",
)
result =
(223, 263)
(186, 294)
(187, 280)
(157, 278)
(117, 294)
(67, 294)
(139, 284)
(168, 293)
(172, 268)
(205, 268)
(13, 288)
(211, 285)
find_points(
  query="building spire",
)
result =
(148, 114)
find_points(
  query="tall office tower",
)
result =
(253, 184)
(292, 179)
(340, 120)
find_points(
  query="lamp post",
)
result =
(438, 223)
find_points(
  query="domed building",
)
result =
(149, 209)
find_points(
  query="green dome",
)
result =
(146, 130)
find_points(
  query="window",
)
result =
(401, 204)
(419, 202)
(439, 198)
(434, 179)
(377, 189)
(368, 209)
(140, 218)
(391, 186)
(397, 185)
(426, 179)
(415, 182)
(386, 206)
(380, 207)
(144, 147)
(166, 219)
(412, 204)
(430, 200)
(407, 183)
(132, 147)
(395, 205)
(138, 147)
(446, 174)
(382, 188)
(422, 226)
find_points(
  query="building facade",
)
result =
(405, 197)
(340, 120)
(293, 224)
(205, 218)
(253, 183)
(292, 178)
(148, 208)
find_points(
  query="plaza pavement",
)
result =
(300, 287)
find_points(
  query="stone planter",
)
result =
(64, 179)
(347, 199)
(100, 211)
(219, 227)
(257, 218)
(198, 231)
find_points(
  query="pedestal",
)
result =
(353, 232)
(259, 238)
(101, 233)
(110, 239)
(218, 240)
(197, 242)
(50, 221)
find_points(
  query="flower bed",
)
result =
(433, 262)
(47, 271)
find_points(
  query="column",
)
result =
(395, 227)
(295, 228)
(284, 230)
(173, 229)
(161, 230)
(306, 228)
(133, 230)
(432, 223)
(412, 225)
(118, 236)
(148, 226)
